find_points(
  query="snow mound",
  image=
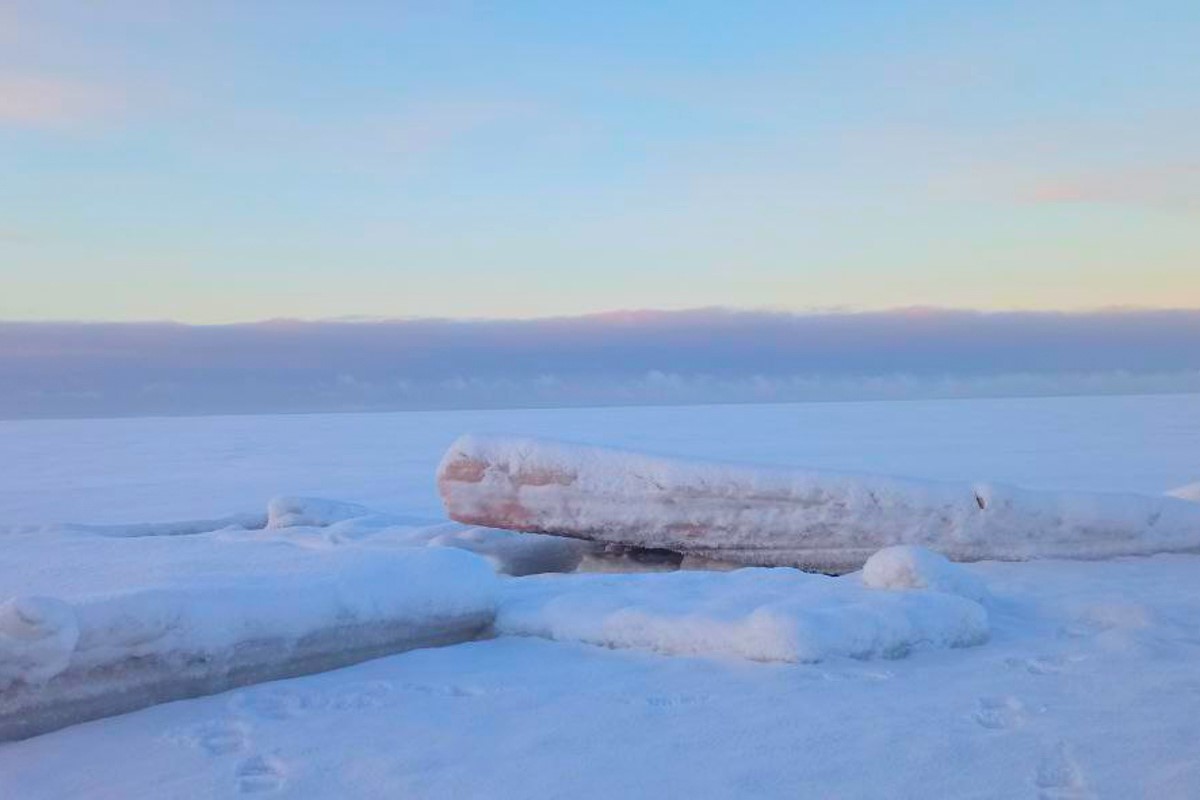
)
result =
(757, 614)
(908, 567)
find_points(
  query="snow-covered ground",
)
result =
(1089, 687)
(1046, 679)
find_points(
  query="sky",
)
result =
(221, 162)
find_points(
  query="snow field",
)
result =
(1086, 688)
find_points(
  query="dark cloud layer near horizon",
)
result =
(65, 369)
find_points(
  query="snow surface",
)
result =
(1086, 687)
(757, 614)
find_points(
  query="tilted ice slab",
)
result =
(753, 613)
(96, 625)
(776, 516)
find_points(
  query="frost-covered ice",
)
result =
(790, 517)
(94, 625)
(757, 614)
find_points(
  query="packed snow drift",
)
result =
(754, 613)
(773, 516)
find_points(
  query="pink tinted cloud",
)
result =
(37, 101)
(1170, 186)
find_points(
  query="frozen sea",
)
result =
(1087, 686)
(126, 470)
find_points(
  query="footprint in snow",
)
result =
(447, 690)
(216, 738)
(275, 702)
(1059, 776)
(676, 700)
(1039, 665)
(355, 696)
(259, 774)
(1000, 713)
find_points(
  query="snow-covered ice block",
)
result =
(757, 614)
(775, 516)
(107, 625)
(907, 567)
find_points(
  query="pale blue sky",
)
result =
(226, 161)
